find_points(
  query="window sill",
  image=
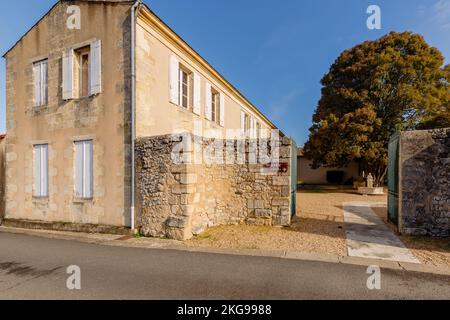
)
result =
(41, 200)
(82, 200)
(184, 110)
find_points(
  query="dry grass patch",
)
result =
(429, 251)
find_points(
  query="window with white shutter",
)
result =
(82, 71)
(84, 169)
(41, 170)
(40, 83)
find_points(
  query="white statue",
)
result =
(370, 181)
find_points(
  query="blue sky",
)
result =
(275, 53)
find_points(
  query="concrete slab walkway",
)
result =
(369, 237)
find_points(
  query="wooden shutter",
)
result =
(37, 84)
(222, 110)
(88, 169)
(174, 70)
(95, 68)
(197, 94)
(79, 160)
(44, 84)
(242, 124)
(67, 85)
(208, 105)
(41, 170)
(84, 169)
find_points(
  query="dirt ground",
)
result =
(318, 228)
(429, 251)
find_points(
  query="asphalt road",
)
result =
(35, 268)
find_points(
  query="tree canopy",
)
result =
(397, 82)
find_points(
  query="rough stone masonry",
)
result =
(181, 200)
(425, 183)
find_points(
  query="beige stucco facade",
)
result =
(155, 113)
(104, 117)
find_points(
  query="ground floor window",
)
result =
(84, 169)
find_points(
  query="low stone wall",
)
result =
(181, 200)
(425, 183)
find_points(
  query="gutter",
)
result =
(133, 113)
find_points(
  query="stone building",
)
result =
(83, 85)
(306, 175)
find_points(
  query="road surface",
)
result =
(36, 268)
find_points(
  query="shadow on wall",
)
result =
(425, 181)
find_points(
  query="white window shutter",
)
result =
(67, 85)
(37, 171)
(222, 110)
(95, 68)
(79, 160)
(44, 170)
(197, 94)
(37, 84)
(88, 169)
(44, 84)
(41, 170)
(173, 79)
(208, 107)
(242, 124)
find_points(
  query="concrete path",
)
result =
(369, 237)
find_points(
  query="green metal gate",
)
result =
(393, 180)
(294, 178)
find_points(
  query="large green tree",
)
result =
(397, 82)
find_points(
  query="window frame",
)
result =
(190, 88)
(81, 74)
(215, 106)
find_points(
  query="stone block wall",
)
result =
(181, 200)
(425, 183)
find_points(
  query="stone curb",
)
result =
(160, 244)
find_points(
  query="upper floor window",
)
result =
(215, 105)
(258, 131)
(83, 71)
(40, 83)
(186, 88)
(82, 75)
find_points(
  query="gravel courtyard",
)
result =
(318, 228)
